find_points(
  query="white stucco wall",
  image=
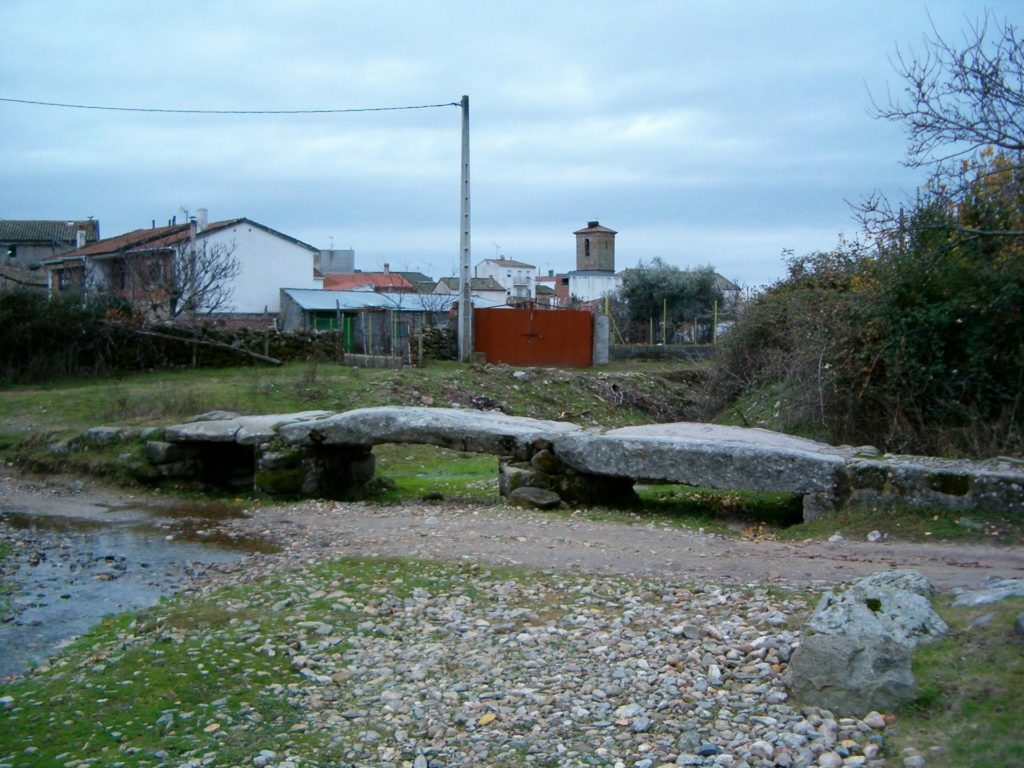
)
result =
(509, 277)
(590, 287)
(268, 264)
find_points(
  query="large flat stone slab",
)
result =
(462, 430)
(989, 485)
(243, 430)
(709, 456)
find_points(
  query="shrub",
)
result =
(915, 346)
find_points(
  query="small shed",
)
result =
(371, 322)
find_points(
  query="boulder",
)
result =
(851, 675)
(855, 650)
(102, 436)
(534, 498)
(992, 591)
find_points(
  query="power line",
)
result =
(227, 111)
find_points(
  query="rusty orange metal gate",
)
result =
(535, 336)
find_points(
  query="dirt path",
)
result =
(500, 535)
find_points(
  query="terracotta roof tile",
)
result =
(378, 280)
(42, 231)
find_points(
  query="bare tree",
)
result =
(959, 104)
(191, 280)
(957, 101)
(435, 304)
(201, 278)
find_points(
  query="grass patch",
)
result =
(416, 471)
(771, 407)
(159, 397)
(971, 691)
(911, 524)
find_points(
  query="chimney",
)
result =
(79, 238)
(202, 220)
(592, 224)
(193, 227)
(387, 268)
(551, 273)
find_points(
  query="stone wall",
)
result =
(662, 351)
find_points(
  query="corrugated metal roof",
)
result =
(42, 231)
(316, 300)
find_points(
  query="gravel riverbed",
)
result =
(563, 671)
(632, 645)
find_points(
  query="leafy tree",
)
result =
(652, 291)
(916, 345)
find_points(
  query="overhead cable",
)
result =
(226, 111)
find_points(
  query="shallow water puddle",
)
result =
(65, 573)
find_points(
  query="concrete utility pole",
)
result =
(465, 276)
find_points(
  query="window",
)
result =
(586, 248)
(12, 251)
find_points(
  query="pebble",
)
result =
(874, 720)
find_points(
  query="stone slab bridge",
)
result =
(329, 455)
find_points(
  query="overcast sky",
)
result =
(703, 132)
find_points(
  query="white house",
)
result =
(143, 265)
(486, 288)
(518, 279)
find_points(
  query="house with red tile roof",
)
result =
(146, 267)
